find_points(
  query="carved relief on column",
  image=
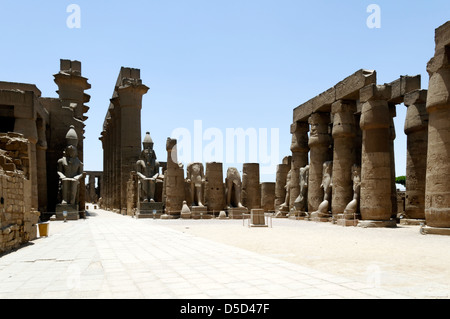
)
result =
(319, 143)
(173, 182)
(300, 150)
(416, 129)
(375, 123)
(437, 197)
(344, 155)
(251, 193)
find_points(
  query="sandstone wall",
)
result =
(18, 220)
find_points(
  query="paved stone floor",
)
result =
(114, 256)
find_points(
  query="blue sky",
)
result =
(232, 64)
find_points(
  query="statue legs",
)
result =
(233, 194)
(70, 191)
(148, 186)
(197, 195)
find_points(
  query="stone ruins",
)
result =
(341, 166)
(33, 132)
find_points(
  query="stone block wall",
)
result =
(18, 220)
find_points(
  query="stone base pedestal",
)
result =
(186, 215)
(146, 210)
(72, 212)
(297, 215)
(170, 216)
(258, 218)
(200, 212)
(222, 215)
(377, 223)
(320, 217)
(427, 230)
(347, 220)
(236, 212)
(413, 222)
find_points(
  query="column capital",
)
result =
(299, 131)
(130, 94)
(416, 114)
(319, 131)
(344, 124)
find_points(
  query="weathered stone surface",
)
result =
(437, 194)
(214, 187)
(257, 218)
(268, 196)
(319, 144)
(347, 89)
(416, 129)
(402, 86)
(174, 181)
(344, 156)
(251, 192)
(376, 155)
(280, 184)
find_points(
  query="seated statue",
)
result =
(233, 188)
(196, 178)
(147, 169)
(70, 170)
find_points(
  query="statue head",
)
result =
(72, 137)
(148, 142)
(356, 171)
(71, 151)
(327, 167)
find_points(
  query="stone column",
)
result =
(416, 129)
(393, 113)
(130, 100)
(376, 205)
(174, 182)
(251, 193)
(319, 143)
(300, 150)
(268, 197)
(344, 156)
(92, 188)
(214, 189)
(71, 87)
(437, 193)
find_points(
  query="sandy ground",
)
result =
(401, 258)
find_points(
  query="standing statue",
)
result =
(233, 188)
(70, 170)
(352, 208)
(301, 203)
(147, 169)
(285, 206)
(327, 185)
(196, 178)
